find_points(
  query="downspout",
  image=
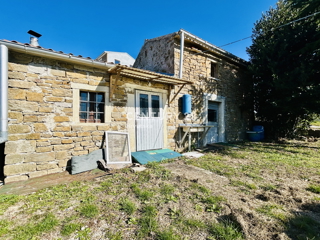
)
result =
(181, 53)
(3, 93)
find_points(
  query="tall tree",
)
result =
(285, 63)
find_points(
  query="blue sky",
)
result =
(88, 28)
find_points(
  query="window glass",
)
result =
(83, 96)
(144, 105)
(83, 107)
(99, 107)
(83, 115)
(100, 97)
(213, 69)
(155, 104)
(212, 115)
(213, 111)
(91, 107)
(92, 97)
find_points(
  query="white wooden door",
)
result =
(213, 119)
(149, 121)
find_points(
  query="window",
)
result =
(149, 105)
(213, 111)
(214, 70)
(117, 61)
(91, 107)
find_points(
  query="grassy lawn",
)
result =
(272, 189)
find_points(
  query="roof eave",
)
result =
(23, 48)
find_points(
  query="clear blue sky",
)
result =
(90, 27)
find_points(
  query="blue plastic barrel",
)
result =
(186, 104)
(254, 136)
(259, 129)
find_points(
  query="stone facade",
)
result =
(44, 130)
(230, 83)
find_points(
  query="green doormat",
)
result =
(143, 157)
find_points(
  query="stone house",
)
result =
(56, 105)
(220, 90)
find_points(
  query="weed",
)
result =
(167, 235)
(314, 188)
(114, 236)
(33, 229)
(4, 227)
(159, 170)
(225, 230)
(84, 234)
(132, 221)
(274, 211)
(212, 203)
(171, 198)
(193, 224)
(250, 186)
(127, 206)
(198, 208)
(7, 201)
(69, 228)
(89, 210)
(174, 213)
(150, 211)
(167, 189)
(268, 187)
(143, 195)
(200, 188)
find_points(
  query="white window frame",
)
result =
(107, 157)
(76, 88)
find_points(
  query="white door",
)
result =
(149, 121)
(213, 119)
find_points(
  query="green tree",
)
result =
(285, 64)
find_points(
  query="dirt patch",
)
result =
(34, 184)
(242, 205)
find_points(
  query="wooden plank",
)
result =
(177, 93)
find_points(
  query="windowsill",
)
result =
(90, 123)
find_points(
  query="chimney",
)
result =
(34, 38)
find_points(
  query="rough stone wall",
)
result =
(43, 133)
(157, 55)
(232, 83)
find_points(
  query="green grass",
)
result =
(314, 188)
(250, 186)
(225, 230)
(36, 227)
(148, 222)
(304, 227)
(127, 206)
(274, 211)
(89, 210)
(156, 204)
(167, 234)
(143, 195)
(7, 201)
(4, 227)
(70, 228)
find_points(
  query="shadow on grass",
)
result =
(269, 147)
(305, 224)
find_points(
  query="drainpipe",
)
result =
(181, 53)
(3, 93)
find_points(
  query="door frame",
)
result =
(221, 113)
(161, 113)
